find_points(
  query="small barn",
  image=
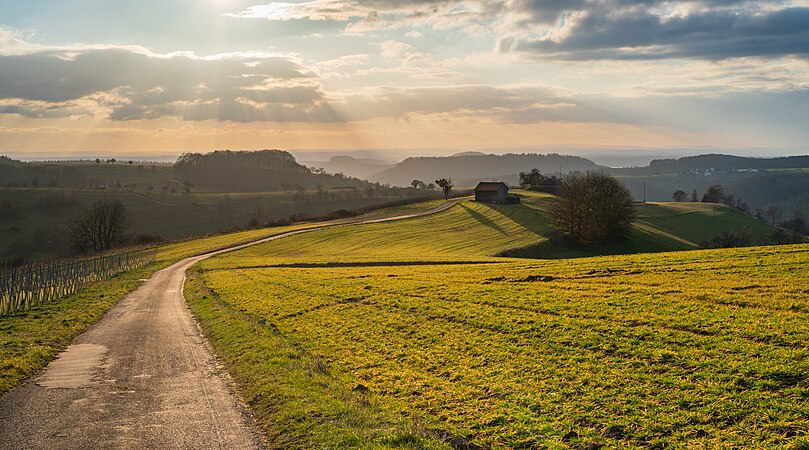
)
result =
(491, 192)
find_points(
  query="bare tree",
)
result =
(445, 185)
(679, 196)
(100, 227)
(694, 196)
(773, 212)
(592, 208)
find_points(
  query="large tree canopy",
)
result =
(593, 208)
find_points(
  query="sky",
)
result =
(159, 77)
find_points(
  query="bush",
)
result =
(729, 239)
(592, 208)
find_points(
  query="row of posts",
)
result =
(26, 287)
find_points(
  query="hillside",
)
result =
(466, 169)
(32, 221)
(474, 230)
(373, 335)
(200, 194)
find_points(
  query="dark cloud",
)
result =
(639, 33)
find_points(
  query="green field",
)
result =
(413, 334)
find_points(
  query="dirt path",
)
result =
(142, 377)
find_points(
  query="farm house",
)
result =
(491, 192)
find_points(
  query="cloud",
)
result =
(528, 104)
(582, 29)
(372, 15)
(127, 84)
(618, 29)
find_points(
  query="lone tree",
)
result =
(100, 227)
(418, 184)
(445, 185)
(773, 212)
(679, 196)
(592, 208)
(714, 194)
(532, 177)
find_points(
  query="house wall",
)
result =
(489, 196)
(486, 196)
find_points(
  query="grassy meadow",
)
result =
(413, 334)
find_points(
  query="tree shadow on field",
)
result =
(483, 220)
(529, 218)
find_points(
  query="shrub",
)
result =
(729, 239)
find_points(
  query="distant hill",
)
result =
(218, 171)
(250, 171)
(466, 169)
(352, 167)
(6, 161)
(727, 162)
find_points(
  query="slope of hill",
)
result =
(474, 230)
(463, 170)
(32, 221)
(411, 332)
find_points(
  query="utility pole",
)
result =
(644, 192)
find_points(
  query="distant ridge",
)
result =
(465, 169)
(348, 165)
(728, 162)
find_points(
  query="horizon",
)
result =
(404, 78)
(608, 157)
